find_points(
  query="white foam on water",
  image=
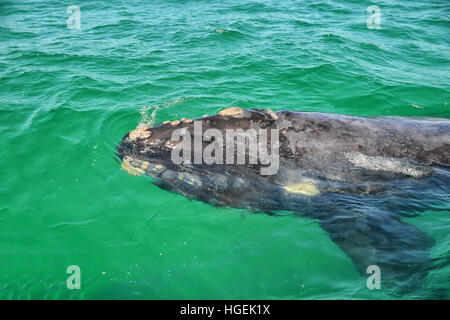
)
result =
(147, 120)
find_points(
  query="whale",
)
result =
(359, 178)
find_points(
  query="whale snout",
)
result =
(123, 149)
(136, 142)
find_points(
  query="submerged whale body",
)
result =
(357, 176)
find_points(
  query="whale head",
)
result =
(198, 146)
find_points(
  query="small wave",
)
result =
(303, 23)
(123, 25)
(228, 31)
(69, 224)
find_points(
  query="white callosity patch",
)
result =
(138, 167)
(272, 114)
(232, 111)
(155, 168)
(133, 166)
(235, 112)
(189, 179)
(139, 132)
(306, 186)
(379, 163)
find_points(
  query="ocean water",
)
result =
(68, 95)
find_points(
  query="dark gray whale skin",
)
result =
(357, 176)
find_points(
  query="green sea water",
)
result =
(67, 97)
